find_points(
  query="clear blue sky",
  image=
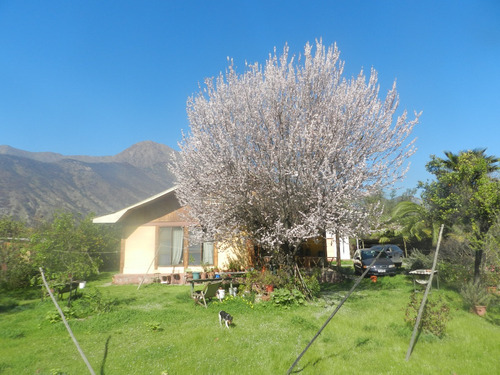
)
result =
(95, 77)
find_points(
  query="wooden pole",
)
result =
(66, 323)
(424, 298)
(333, 314)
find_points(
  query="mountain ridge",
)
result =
(35, 185)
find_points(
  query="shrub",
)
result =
(17, 268)
(492, 275)
(435, 315)
(313, 285)
(93, 302)
(55, 317)
(418, 260)
(475, 294)
(455, 273)
(286, 298)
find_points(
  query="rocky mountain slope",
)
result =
(33, 185)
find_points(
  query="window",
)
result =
(208, 252)
(201, 254)
(170, 245)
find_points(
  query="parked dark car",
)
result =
(382, 266)
(393, 251)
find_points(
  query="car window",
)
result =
(368, 254)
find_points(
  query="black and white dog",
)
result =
(226, 318)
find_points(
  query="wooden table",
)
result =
(422, 277)
(224, 276)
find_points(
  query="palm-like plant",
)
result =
(413, 222)
(453, 161)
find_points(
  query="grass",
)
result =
(158, 330)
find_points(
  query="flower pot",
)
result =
(492, 289)
(203, 275)
(479, 310)
(196, 275)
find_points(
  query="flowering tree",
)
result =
(288, 150)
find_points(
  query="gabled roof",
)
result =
(119, 215)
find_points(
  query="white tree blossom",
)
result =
(287, 151)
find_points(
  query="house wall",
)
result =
(331, 247)
(140, 238)
(139, 249)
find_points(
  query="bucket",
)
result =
(221, 293)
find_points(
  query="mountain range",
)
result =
(34, 185)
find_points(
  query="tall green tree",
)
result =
(16, 268)
(465, 194)
(71, 247)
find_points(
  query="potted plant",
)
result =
(475, 296)
(211, 273)
(188, 273)
(206, 269)
(269, 280)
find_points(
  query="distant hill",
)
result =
(33, 185)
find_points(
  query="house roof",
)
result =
(119, 215)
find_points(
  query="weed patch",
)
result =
(435, 315)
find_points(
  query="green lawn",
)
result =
(158, 329)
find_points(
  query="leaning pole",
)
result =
(333, 314)
(424, 298)
(82, 354)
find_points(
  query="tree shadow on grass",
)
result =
(312, 363)
(359, 343)
(105, 355)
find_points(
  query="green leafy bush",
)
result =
(93, 302)
(313, 285)
(55, 317)
(455, 274)
(286, 298)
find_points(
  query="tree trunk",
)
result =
(477, 265)
(337, 244)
